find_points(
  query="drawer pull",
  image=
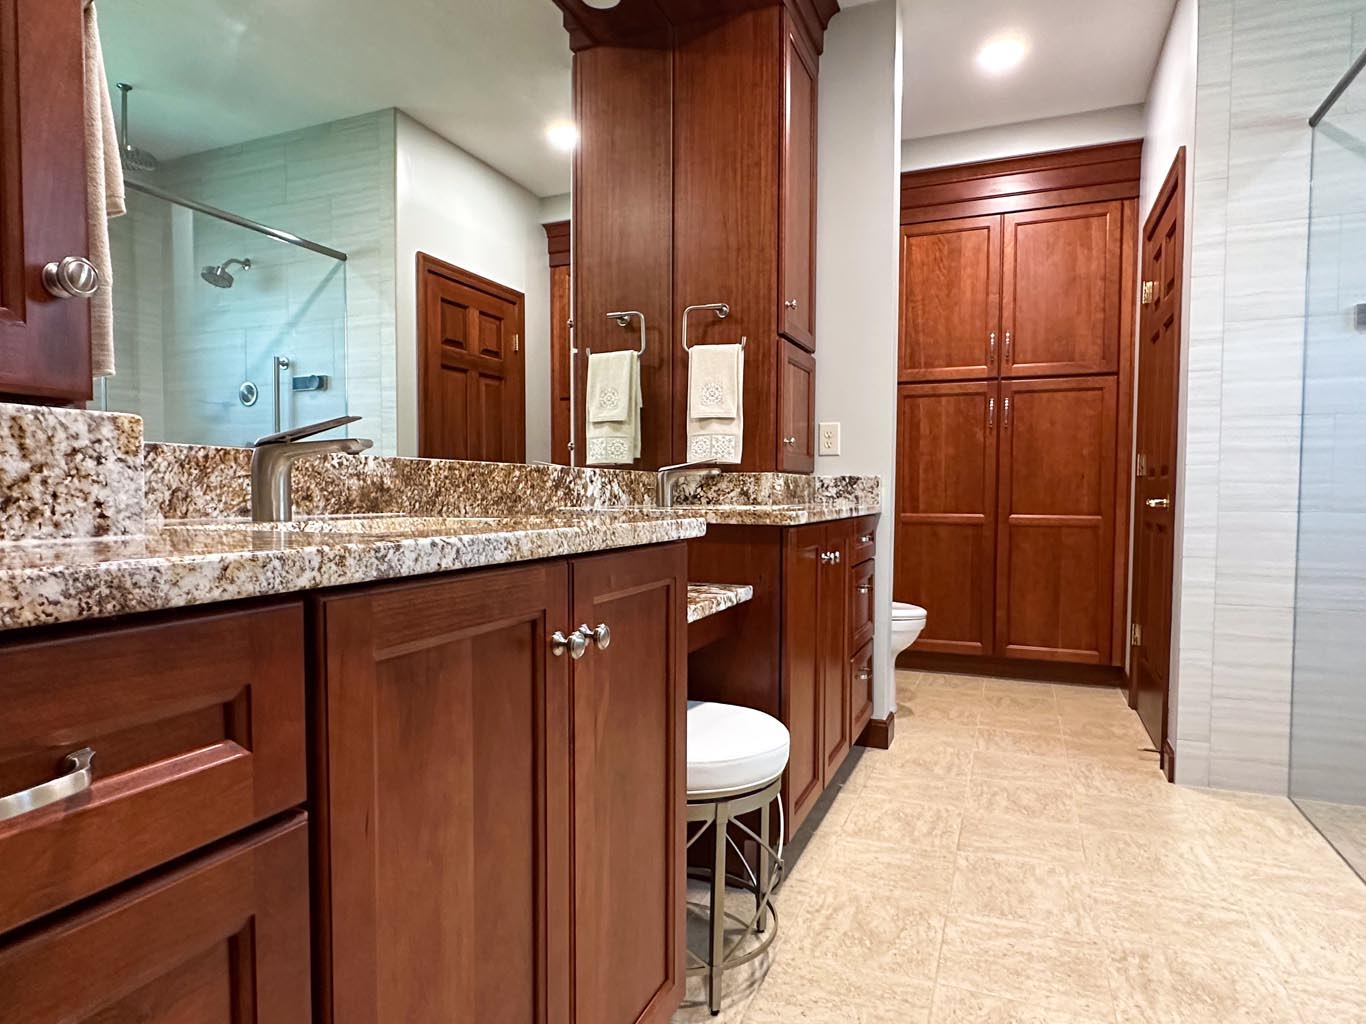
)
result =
(865, 675)
(867, 538)
(865, 589)
(76, 780)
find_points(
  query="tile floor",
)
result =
(1017, 858)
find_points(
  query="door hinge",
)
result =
(1149, 293)
(516, 343)
(1136, 635)
(1142, 469)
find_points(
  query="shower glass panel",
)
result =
(203, 308)
(1328, 717)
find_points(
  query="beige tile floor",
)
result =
(1017, 858)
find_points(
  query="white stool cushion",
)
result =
(732, 750)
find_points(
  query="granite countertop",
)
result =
(706, 599)
(190, 562)
(777, 515)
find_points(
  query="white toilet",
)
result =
(907, 622)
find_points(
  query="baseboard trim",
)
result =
(1169, 760)
(879, 732)
(1013, 668)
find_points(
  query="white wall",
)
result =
(458, 209)
(1169, 124)
(1092, 128)
(556, 208)
(856, 259)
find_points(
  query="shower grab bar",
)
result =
(232, 218)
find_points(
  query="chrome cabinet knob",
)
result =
(575, 643)
(865, 589)
(1158, 502)
(867, 538)
(73, 278)
(600, 635)
(790, 304)
(791, 442)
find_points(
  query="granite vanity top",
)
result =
(705, 599)
(777, 515)
(191, 562)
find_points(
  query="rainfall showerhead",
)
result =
(219, 277)
(134, 159)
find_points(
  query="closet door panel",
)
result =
(950, 300)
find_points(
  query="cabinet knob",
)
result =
(867, 538)
(73, 278)
(791, 442)
(790, 304)
(865, 589)
(831, 557)
(600, 635)
(575, 643)
(865, 675)
(1158, 503)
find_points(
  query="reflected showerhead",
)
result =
(219, 277)
(134, 159)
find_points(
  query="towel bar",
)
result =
(624, 319)
(721, 309)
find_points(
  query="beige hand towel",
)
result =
(716, 388)
(104, 195)
(614, 403)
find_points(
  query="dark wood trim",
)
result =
(879, 732)
(655, 24)
(557, 243)
(1169, 760)
(1013, 668)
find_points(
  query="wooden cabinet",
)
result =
(44, 341)
(950, 300)
(220, 939)
(797, 194)
(802, 682)
(796, 410)
(835, 596)
(502, 834)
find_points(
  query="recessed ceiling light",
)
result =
(1002, 54)
(563, 135)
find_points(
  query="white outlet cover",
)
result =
(828, 435)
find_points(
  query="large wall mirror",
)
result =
(342, 207)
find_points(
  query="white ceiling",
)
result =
(1084, 55)
(487, 74)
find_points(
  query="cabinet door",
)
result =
(1055, 563)
(833, 627)
(946, 511)
(223, 939)
(950, 300)
(442, 788)
(629, 787)
(44, 341)
(797, 196)
(802, 698)
(1063, 285)
(796, 411)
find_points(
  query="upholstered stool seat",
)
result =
(736, 759)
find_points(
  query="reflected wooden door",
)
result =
(950, 300)
(471, 367)
(1155, 490)
(1055, 554)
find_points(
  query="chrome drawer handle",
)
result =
(865, 589)
(1158, 502)
(575, 643)
(865, 675)
(601, 635)
(76, 780)
(867, 538)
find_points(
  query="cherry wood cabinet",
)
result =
(220, 939)
(834, 595)
(797, 192)
(44, 340)
(549, 886)
(950, 300)
(796, 410)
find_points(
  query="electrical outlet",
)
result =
(829, 438)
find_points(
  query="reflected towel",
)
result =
(716, 417)
(614, 404)
(104, 195)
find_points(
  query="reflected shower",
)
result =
(219, 277)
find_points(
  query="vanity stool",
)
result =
(736, 758)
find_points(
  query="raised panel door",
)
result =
(797, 411)
(803, 708)
(950, 300)
(1062, 285)
(1055, 558)
(797, 194)
(946, 511)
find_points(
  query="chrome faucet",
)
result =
(273, 457)
(667, 476)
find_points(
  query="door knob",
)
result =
(73, 278)
(1158, 502)
(600, 635)
(575, 643)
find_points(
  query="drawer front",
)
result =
(861, 598)
(861, 687)
(222, 939)
(865, 539)
(197, 727)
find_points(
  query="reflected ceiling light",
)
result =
(1002, 54)
(563, 135)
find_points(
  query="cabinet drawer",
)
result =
(221, 940)
(864, 545)
(197, 729)
(861, 596)
(861, 689)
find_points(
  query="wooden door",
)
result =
(833, 628)
(946, 511)
(471, 368)
(1155, 492)
(796, 411)
(1055, 560)
(950, 300)
(803, 708)
(1063, 287)
(44, 341)
(442, 790)
(220, 939)
(629, 703)
(797, 193)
